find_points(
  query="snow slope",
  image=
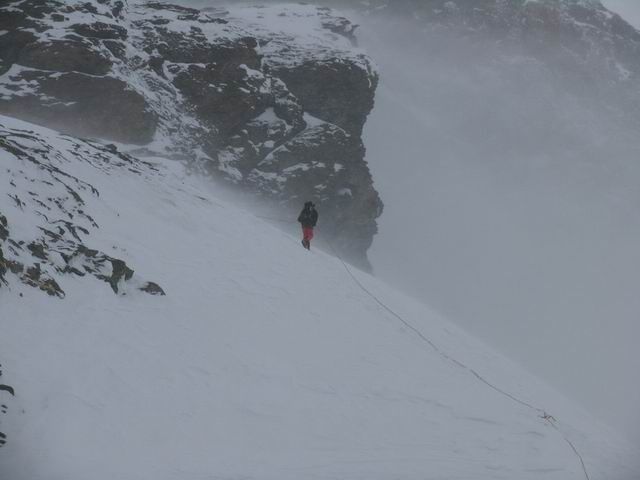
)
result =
(264, 361)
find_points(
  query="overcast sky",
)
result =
(628, 9)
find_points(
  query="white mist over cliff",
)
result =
(628, 9)
(511, 207)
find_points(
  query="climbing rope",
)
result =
(573, 447)
(549, 419)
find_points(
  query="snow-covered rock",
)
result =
(47, 216)
(223, 87)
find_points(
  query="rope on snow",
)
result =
(549, 419)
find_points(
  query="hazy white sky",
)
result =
(500, 214)
(628, 9)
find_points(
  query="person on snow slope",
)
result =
(308, 219)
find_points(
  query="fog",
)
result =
(511, 206)
(628, 9)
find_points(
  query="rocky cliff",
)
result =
(271, 99)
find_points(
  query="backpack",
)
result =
(308, 217)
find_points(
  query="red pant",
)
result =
(307, 233)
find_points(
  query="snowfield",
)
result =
(263, 361)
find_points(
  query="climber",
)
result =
(308, 218)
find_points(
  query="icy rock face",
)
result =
(321, 151)
(46, 228)
(228, 89)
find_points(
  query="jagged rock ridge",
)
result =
(233, 90)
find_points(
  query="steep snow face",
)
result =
(262, 361)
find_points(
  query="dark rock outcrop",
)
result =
(53, 203)
(346, 106)
(63, 75)
(65, 55)
(84, 105)
(218, 82)
(5, 391)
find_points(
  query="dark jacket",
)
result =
(308, 217)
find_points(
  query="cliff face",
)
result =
(272, 99)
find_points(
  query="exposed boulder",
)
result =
(82, 104)
(344, 97)
(65, 55)
(152, 289)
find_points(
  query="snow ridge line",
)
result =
(545, 416)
